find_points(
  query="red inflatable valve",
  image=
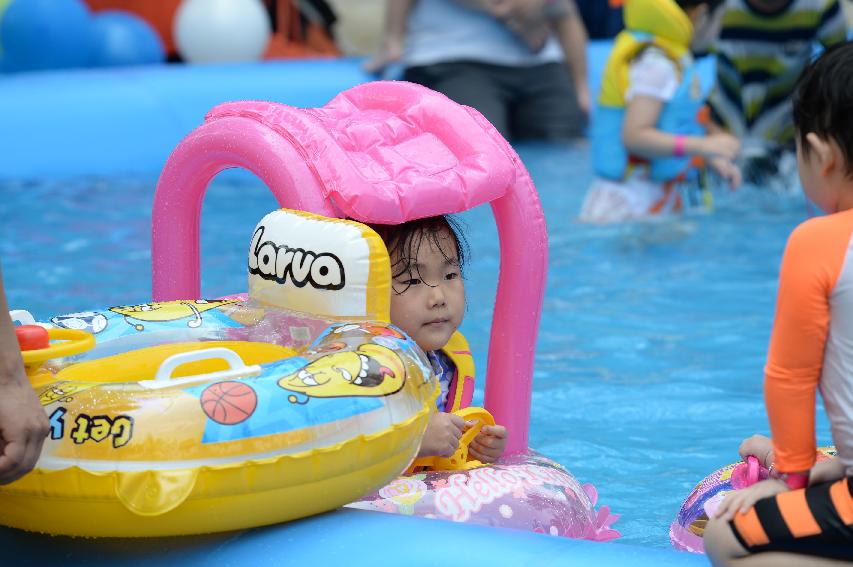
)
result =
(32, 337)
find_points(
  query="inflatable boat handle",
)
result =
(22, 317)
(237, 368)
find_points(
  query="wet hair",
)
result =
(687, 4)
(404, 241)
(823, 100)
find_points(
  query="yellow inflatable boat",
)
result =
(198, 416)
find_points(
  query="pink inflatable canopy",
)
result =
(383, 152)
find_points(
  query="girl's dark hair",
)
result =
(403, 241)
(823, 100)
(712, 4)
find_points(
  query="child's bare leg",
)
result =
(721, 545)
(724, 550)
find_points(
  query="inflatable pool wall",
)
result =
(78, 123)
(43, 111)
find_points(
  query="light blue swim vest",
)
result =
(679, 116)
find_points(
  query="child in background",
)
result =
(807, 509)
(428, 303)
(762, 48)
(645, 130)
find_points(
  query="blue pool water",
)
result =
(652, 342)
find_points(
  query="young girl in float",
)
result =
(806, 509)
(645, 130)
(428, 303)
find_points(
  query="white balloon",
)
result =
(214, 31)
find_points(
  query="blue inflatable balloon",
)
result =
(45, 34)
(121, 38)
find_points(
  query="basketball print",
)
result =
(229, 403)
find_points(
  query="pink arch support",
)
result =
(380, 152)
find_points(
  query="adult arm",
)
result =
(23, 423)
(527, 19)
(393, 35)
(572, 36)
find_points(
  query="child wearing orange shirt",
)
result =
(807, 510)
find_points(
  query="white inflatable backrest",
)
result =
(312, 264)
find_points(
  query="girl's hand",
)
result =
(441, 438)
(759, 446)
(728, 170)
(740, 501)
(721, 144)
(489, 444)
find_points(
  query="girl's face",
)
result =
(428, 299)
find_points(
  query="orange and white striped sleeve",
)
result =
(814, 258)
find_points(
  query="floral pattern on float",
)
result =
(527, 492)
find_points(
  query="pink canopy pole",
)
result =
(227, 142)
(518, 307)
(518, 303)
